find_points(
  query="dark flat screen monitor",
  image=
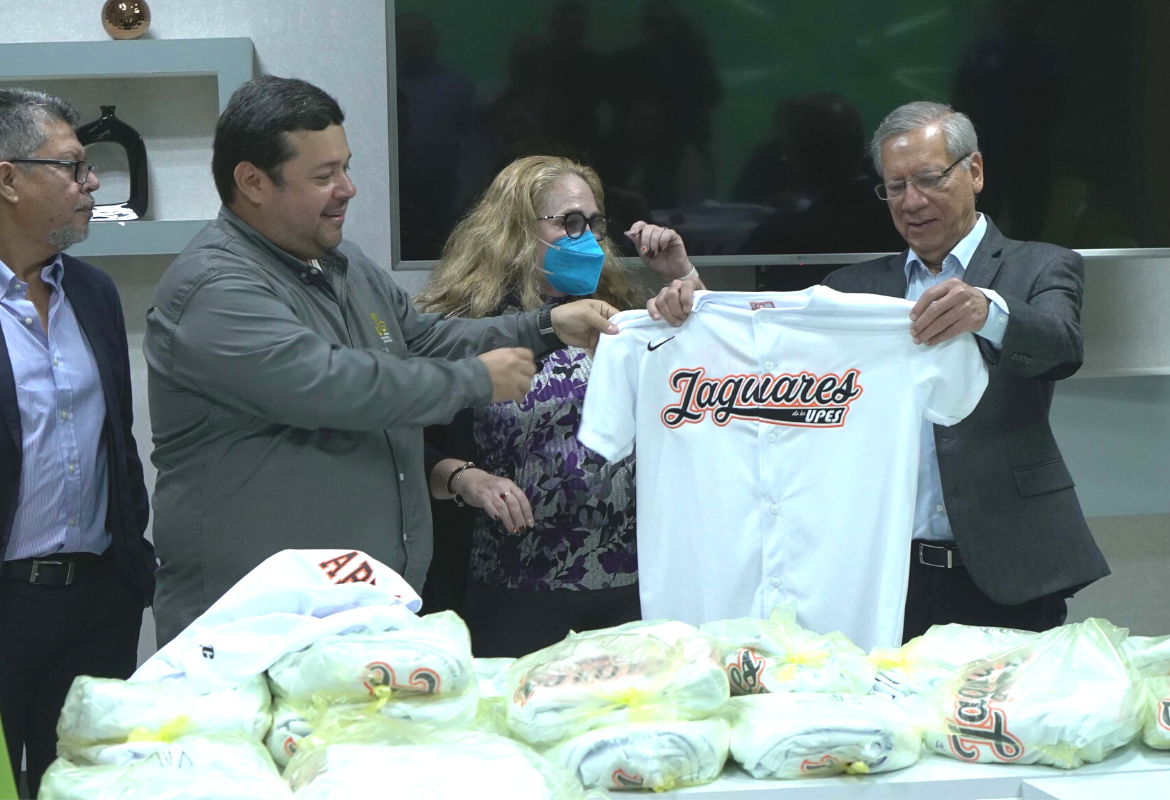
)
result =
(744, 123)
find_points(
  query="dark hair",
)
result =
(253, 127)
(24, 115)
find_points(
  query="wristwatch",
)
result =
(544, 324)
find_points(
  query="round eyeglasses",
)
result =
(575, 223)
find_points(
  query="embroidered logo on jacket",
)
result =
(803, 400)
(382, 331)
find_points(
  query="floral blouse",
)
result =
(583, 506)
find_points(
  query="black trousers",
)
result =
(48, 636)
(515, 622)
(939, 596)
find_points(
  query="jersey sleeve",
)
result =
(952, 377)
(607, 420)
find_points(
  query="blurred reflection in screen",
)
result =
(743, 124)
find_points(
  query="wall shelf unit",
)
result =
(230, 61)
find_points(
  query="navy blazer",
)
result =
(99, 313)
(1008, 493)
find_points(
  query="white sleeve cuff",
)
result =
(997, 320)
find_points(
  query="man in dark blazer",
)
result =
(999, 537)
(76, 569)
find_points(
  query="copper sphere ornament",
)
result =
(125, 19)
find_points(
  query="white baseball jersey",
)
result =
(289, 601)
(778, 440)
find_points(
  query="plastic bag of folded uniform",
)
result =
(812, 735)
(101, 713)
(430, 656)
(1149, 655)
(1064, 698)
(763, 656)
(646, 755)
(294, 720)
(366, 755)
(923, 662)
(223, 766)
(1156, 725)
(605, 678)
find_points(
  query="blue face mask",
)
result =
(573, 266)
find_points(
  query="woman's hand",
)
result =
(662, 250)
(498, 497)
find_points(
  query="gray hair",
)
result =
(958, 132)
(24, 116)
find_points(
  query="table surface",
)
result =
(936, 777)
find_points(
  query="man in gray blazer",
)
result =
(999, 537)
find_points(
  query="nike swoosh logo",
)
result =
(653, 347)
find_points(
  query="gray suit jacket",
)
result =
(1008, 493)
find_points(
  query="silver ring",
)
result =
(505, 494)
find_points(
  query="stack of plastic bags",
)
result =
(356, 754)
(1061, 698)
(813, 735)
(627, 707)
(421, 673)
(226, 766)
(777, 655)
(131, 740)
(925, 661)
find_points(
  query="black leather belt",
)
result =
(59, 570)
(943, 556)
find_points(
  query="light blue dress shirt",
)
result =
(64, 485)
(930, 513)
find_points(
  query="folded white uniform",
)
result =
(492, 675)
(773, 655)
(431, 655)
(646, 755)
(285, 604)
(1064, 698)
(457, 767)
(605, 677)
(1149, 655)
(1156, 726)
(226, 767)
(923, 662)
(100, 714)
(292, 721)
(811, 735)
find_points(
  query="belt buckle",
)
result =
(37, 564)
(949, 551)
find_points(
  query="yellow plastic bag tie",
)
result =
(382, 695)
(643, 705)
(807, 658)
(886, 657)
(167, 733)
(857, 768)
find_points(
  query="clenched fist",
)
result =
(511, 370)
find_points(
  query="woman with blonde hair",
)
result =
(552, 544)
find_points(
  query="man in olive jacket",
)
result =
(290, 378)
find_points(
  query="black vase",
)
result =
(113, 130)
